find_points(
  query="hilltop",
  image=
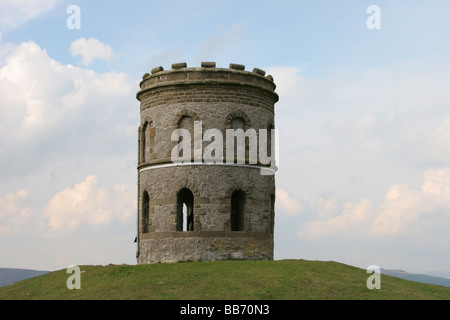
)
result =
(219, 280)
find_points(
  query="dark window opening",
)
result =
(185, 210)
(186, 123)
(143, 142)
(238, 123)
(238, 210)
(238, 157)
(272, 213)
(146, 141)
(145, 212)
(269, 141)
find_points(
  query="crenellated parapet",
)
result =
(207, 73)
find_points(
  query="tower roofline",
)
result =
(207, 73)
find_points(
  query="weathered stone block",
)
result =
(237, 66)
(179, 65)
(157, 69)
(208, 64)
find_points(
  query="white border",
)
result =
(269, 170)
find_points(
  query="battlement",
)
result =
(207, 73)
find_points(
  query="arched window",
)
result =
(272, 213)
(146, 140)
(185, 210)
(236, 144)
(237, 123)
(269, 141)
(238, 210)
(145, 212)
(186, 122)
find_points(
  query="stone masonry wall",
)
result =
(215, 97)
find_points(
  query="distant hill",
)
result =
(11, 275)
(423, 278)
(218, 280)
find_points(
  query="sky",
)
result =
(363, 120)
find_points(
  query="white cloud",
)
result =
(289, 204)
(346, 224)
(404, 206)
(439, 141)
(13, 216)
(58, 122)
(294, 90)
(383, 110)
(326, 208)
(87, 203)
(356, 135)
(46, 103)
(90, 49)
(400, 213)
(13, 13)
(437, 182)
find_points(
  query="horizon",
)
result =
(444, 274)
(363, 122)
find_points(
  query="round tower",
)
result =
(202, 194)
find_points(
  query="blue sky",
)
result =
(364, 120)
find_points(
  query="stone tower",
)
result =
(195, 209)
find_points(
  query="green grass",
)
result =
(222, 280)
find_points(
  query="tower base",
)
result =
(205, 246)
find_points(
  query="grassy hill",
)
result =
(219, 280)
